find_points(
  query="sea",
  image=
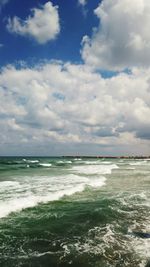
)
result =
(77, 212)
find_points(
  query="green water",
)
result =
(68, 212)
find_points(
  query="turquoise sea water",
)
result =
(61, 212)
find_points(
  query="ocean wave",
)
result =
(97, 162)
(90, 162)
(96, 169)
(34, 190)
(60, 162)
(96, 182)
(138, 163)
(18, 204)
(102, 242)
(32, 161)
(140, 245)
(45, 164)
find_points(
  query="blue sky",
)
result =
(75, 77)
(74, 25)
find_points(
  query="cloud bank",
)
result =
(71, 107)
(122, 39)
(42, 25)
(66, 103)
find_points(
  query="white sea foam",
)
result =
(90, 162)
(96, 162)
(7, 187)
(141, 245)
(95, 169)
(30, 191)
(33, 161)
(106, 162)
(7, 184)
(65, 161)
(96, 182)
(18, 204)
(45, 164)
(30, 161)
(138, 163)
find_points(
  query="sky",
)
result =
(74, 77)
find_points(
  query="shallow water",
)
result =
(74, 212)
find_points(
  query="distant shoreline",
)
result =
(78, 157)
(110, 157)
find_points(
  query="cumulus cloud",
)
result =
(42, 25)
(82, 2)
(122, 39)
(70, 104)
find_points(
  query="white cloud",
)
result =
(70, 104)
(82, 2)
(122, 39)
(42, 25)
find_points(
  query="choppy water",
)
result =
(74, 212)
